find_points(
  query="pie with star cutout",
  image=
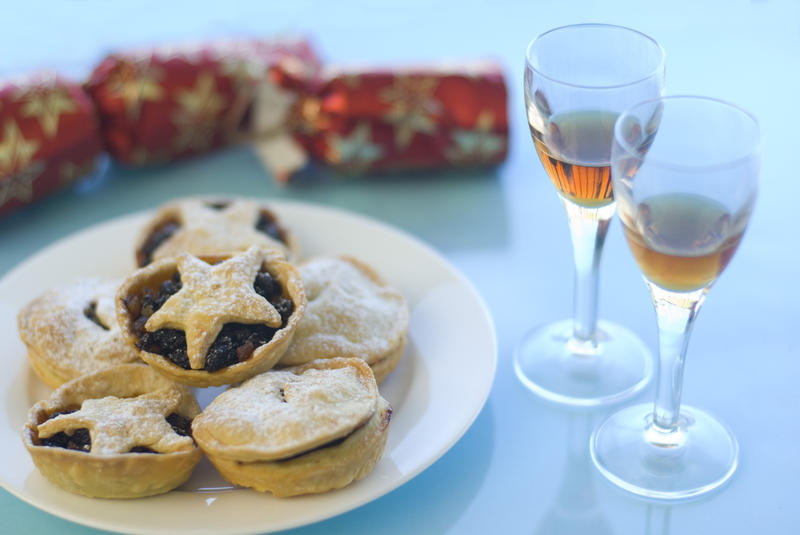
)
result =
(212, 320)
(204, 226)
(121, 432)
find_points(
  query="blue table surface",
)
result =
(523, 466)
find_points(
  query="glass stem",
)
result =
(676, 313)
(588, 228)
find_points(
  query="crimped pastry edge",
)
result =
(262, 359)
(127, 475)
(381, 363)
(47, 359)
(318, 471)
(171, 210)
(210, 442)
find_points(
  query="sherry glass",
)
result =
(577, 80)
(685, 175)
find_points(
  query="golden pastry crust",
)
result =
(318, 471)
(306, 429)
(204, 230)
(63, 342)
(215, 290)
(351, 313)
(285, 412)
(387, 364)
(122, 407)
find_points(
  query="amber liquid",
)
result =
(575, 149)
(682, 242)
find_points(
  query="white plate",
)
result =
(437, 390)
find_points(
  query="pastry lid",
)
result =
(283, 413)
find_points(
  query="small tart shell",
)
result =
(373, 329)
(62, 342)
(203, 243)
(126, 475)
(263, 357)
(317, 466)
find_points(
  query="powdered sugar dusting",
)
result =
(116, 425)
(350, 313)
(205, 230)
(283, 413)
(210, 297)
(55, 327)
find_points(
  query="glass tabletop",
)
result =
(523, 466)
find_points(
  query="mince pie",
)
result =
(351, 312)
(212, 226)
(122, 432)
(212, 320)
(73, 330)
(300, 430)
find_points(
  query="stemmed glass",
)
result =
(577, 80)
(685, 175)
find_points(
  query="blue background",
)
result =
(522, 467)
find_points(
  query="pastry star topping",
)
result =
(210, 297)
(230, 228)
(116, 425)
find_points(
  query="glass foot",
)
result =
(700, 457)
(611, 368)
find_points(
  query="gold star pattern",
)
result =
(198, 113)
(16, 152)
(46, 104)
(479, 144)
(412, 107)
(69, 172)
(210, 297)
(116, 425)
(135, 83)
(354, 151)
(19, 185)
